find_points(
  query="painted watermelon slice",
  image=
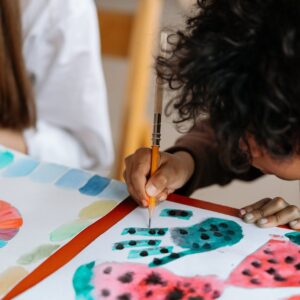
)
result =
(126, 281)
(276, 264)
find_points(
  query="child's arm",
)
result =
(270, 212)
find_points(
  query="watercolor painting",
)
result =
(127, 281)
(205, 236)
(10, 222)
(56, 204)
(276, 264)
(190, 254)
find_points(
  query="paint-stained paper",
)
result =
(42, 207)
(218, 249)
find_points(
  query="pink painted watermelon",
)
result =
(276, 264)
(124, 281)
(295, 298)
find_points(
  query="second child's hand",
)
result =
(173, 172)
(270, 212)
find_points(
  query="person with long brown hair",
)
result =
(52, 94)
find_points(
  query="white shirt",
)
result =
(62, 56)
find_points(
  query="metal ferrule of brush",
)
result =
(156, 129)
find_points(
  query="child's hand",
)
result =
(270, 212)
(173, 172)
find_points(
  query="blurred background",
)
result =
(125, 71)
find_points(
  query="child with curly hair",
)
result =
(235, 69)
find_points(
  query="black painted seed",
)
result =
(151, 242)
(195, 246)
(105, 293)
(255, 281)
(148, 294)
(131, 231)
(214, 227)
(297, 266)
(247, 272)
(119, 246)
(204, 236)
(256, 264)
(164, 250)
(124, 297)
(195, 298)
(161, 232)
(271, 271)
(183, 231)
(289, 259)
(132, 243)
(172, 212)
(107, 270)
(126, 278)
(231, 232)
(191, 290)
(272, 261)
(184, 213)
(143, 253)
(207, 288)
(268, 251)
(152, 231)
(278, 277)
(216, 294)
(174, 255)
(175, 294)
(224, 225)
(157, 261)
(218, 234)
(207, 246)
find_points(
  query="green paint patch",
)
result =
(82, 282)
(145, 231)
(176, 213)
(133, 254)
(37, 254)
(68, 230)
(294, 237)
(135, 243)
(209, 235)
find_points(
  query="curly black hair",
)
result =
(238, 62)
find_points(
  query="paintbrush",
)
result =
(156, 134)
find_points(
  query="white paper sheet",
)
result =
(219, 262)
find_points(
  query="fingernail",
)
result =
(248, 217)
(162, 198)
(242, 212)
(151, 190)
(293, 223)
(262, 221)
(145, 203)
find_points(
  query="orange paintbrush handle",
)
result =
(154, 167)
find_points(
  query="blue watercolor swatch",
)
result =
(133, 254)
(94, 186)
(73, 179)
(145, 231)
(6, 158)
(115, 191)
(135, 243)
(2, 243)
(47, 173)
(176, 213)
(21, 167)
